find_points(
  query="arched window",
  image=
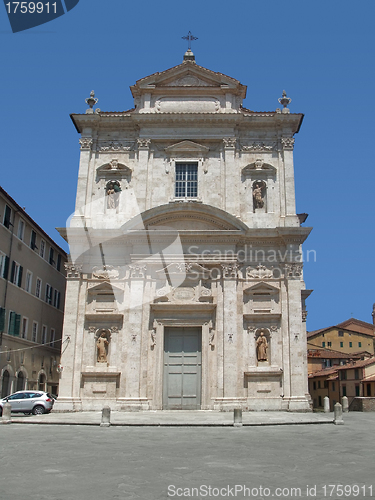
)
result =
(42, 382)
(5, 384)
(20, 382)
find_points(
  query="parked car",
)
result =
(35, 402)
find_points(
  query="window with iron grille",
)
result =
(186, 180)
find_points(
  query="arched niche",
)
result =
(259, 179)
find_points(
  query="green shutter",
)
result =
(2, 319)
(6, 268)
(20, 276)
(12, 323)
(17, 324)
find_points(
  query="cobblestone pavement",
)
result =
(74, 462)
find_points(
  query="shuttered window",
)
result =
(7, 216)
(14, 324)
(2, 319)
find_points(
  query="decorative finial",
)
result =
(91, 101)
(189, 37)
(284, 100)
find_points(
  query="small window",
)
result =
(359, 344)
(49, 292)
(341, 344)
(33, 240)
(14, 324)
(29, 279)
(341, 333)
(53, 337)
(368, 390)
(344, 390)
(21, 229)
(35, 332)
(326, 384)
(42, 249)
(38, 288)
(44, 334)
(56, 299)
(4, 265)
(7, 216)
(314, 386)
(357, 390)
(350, 344)
(320, 400)
(186, 180)
(343, 375)
(58, 265)
(329, 344)
(323, 344)
(16, 273)
(318, 384)
(51, 256)
(2, 319)
(25, 325)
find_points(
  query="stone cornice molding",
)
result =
(287, 143)
(143, 144)
(73, 271)
(86, 143)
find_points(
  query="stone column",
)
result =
(230, 339)
(86, 145)
(290, 200)
(142, 167)
(69, 337)
(232, 177)
(297, 340)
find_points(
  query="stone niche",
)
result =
(262, 298)
(104, 298)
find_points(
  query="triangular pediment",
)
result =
(259, 167)
(104, 288)
(187, 146)
(262, 288)
(114, 167)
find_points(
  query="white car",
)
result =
(35, 402)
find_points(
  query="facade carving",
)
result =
(85, 143)
(179, 191)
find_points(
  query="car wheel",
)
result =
(38, 410)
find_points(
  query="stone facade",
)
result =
(185, 243)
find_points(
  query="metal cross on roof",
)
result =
(189, 37)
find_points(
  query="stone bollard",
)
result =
(106, 417)
(326, 404)
(345, 404)
(237, 414)
(6, 418)
(337, 420)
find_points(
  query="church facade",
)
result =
(185, 287)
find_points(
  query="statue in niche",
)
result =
(113, 190)
(258, 194)
(262, 346)
(101, 345)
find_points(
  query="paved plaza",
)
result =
(78, 462)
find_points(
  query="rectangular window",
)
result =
(359, 344)
(33, 240)
(35, 332)
(42, 249)
(341, 344)
(29, 280)
(318, 384)
(2, 319)
(14, 324)
(186, 180)
(343, 375)
(51, 256)
(350, 344)
(25, 326)
(368, 389)
(58, 265)
(3, 265)
(7, 216)
(357, 390)
(44, 334)
(314, 386)
(16, 273)
(21, 229)
(323, 344)
(344, 390)
(356, 374)
(38, 287)
(329, 344)
(49, 292)
(53, 337)
(56, 299)
(341, 333)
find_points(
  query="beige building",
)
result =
(32, 291)
(350, 337)
(185, 288)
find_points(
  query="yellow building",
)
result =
(350, 337)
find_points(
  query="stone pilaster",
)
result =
(232, 179)
(230, 339)
(143, 158)
(83, 172)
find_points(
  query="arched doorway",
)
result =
(42, 382)
(20, 382)
(5, 384)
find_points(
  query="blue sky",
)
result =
(321, 53)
